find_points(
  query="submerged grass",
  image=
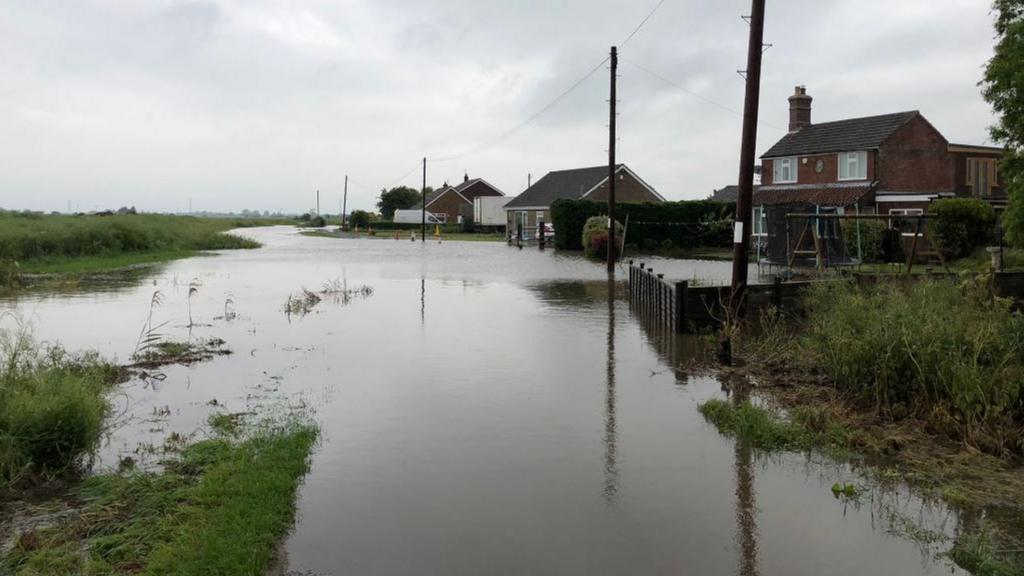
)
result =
(67, 244)
(221, 508)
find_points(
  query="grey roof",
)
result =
(560, 184)
(841, 136)
(465, 185)
(728, 194)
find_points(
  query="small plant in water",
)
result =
(846, 492)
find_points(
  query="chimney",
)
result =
(799, 109)
(465, 177)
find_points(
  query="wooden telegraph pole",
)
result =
(344, 205)
(611, 163)
(423, 214)
(744, 203)
(318, 202)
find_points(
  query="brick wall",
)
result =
(450, 205)
(915, 158)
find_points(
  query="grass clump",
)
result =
(762, 428)
(978, 553)
(165, 352)
(52, 407)
(54, 243)
(951, 355)
(221, 508)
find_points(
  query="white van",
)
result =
(415, 217)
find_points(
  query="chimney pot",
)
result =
(799, 109)
(465, 177)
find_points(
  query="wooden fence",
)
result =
(682, 308)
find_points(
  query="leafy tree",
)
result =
(1003, 88)
(399, 198)
(360, 218)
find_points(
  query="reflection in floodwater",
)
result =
(746, 499)
(611, 471)
(423, 301)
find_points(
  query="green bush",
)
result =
(688, 224)
(872, 239)
(52, 407)
(595, 237)
(360, 218)
(953, 354)
(962, 224)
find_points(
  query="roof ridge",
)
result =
(872, 117)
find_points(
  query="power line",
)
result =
(641, 24)
(404, 176)
(522, 124)
(705, 99)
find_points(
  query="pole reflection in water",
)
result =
(746, 498)
(423, 300)
(611, 471)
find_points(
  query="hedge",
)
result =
(962, 224)
(685, 224)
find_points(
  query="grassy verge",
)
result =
(923, 382)
(52, 408)
(221, 508)
(32, 243)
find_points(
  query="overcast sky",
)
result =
(257, 103)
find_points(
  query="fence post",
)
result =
(661, 299)
(540, 233)
(681, 288)
(777, 293)
(648, 290)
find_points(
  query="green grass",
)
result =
(52, 408)
(951, 354)
(762, 428)
(978, 553)
(222, 508)
(84, 243)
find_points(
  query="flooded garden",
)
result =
(481, 409)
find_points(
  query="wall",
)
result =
(805, 170)
(451, 205)
(959, 160)
(915, 158)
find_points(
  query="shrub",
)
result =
(316, 222)
(693, 223)
(962, 224)
(52, 407)
(954, 354)
(595, 237)
(872, 239)
(360, 218)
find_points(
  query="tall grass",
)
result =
(52, 406)
(950, 354)
(27, 238)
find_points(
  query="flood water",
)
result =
(486, 410)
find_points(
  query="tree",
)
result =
(399, 198)
(1003, 88)
(360, 218)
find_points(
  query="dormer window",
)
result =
(785, 170)
(853, 166)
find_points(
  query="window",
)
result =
(853, 166)
(981, 175)
(905, 225)
(785, 170)
(760, 222)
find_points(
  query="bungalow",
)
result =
(456, 202)
(534, 204)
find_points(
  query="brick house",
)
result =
(534, 204)
(888, 164)
(455, 203)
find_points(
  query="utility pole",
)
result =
(611, 164)
(318, 202)
(423, 200)
(744, 203)
(344, 204)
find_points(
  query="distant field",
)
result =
(68, 244)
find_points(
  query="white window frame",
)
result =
(906, 212)
(760, 222)
(843, 159)
(777, 165)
